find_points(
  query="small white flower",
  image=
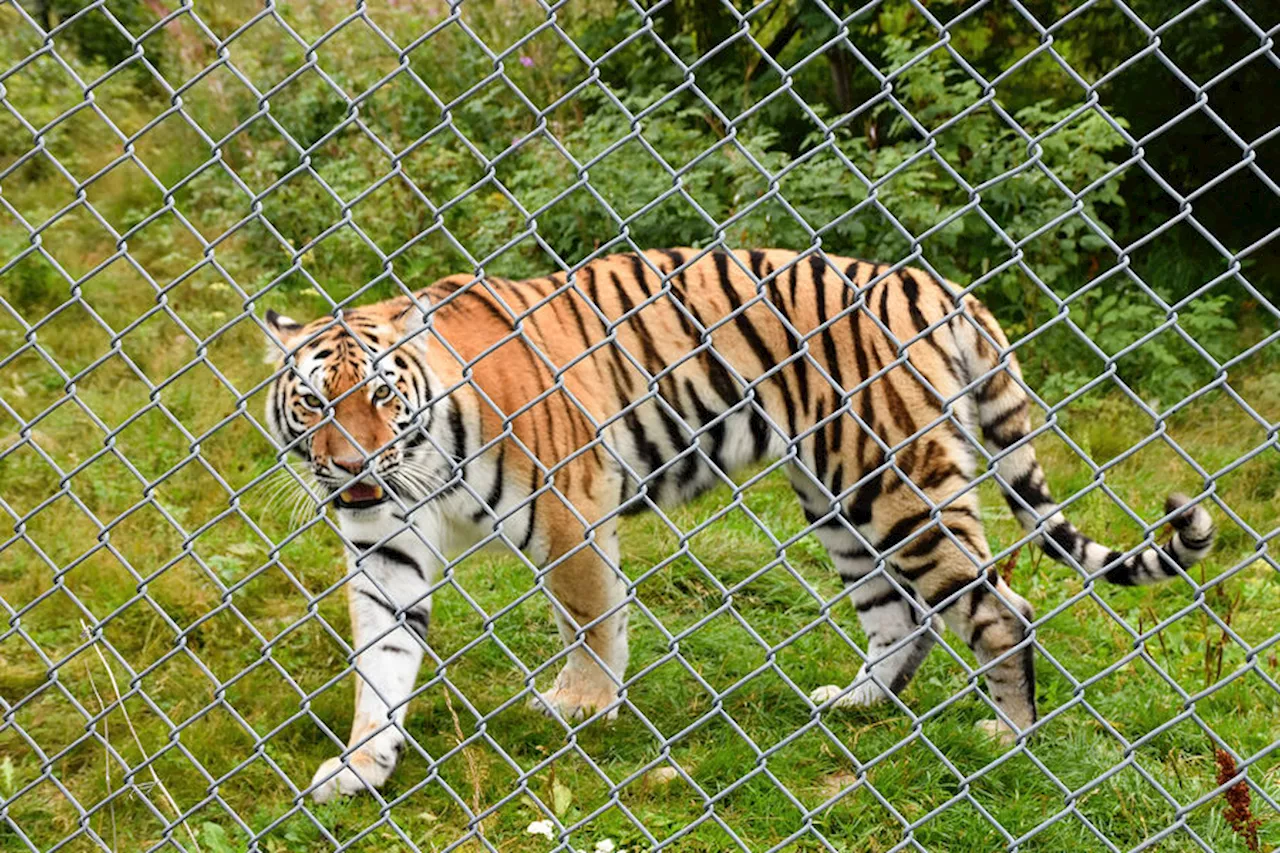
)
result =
(605, 846)
(541, 827)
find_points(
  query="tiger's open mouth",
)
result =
(360, 496)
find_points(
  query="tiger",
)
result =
(534, 414)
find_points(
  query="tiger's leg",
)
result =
(898, 640)
(587, 585)
(983, 610)
(390, 612)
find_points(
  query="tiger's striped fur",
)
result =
(537, 411)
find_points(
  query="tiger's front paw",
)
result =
(361, 772)
(997, 730)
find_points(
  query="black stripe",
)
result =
(639, 270)
(1035, 494)
(1029, 676)
(1182, 520)
(897, 407)
(721, 380)
(911, 289)
(459, 430)
(1123, 574)
(495, 493)
(759, 432)
(394, 555)
(906, 463)
(977, 546)
(993, 387)
(819, 269)
(442, 290)
(391, 611)
(901, 529)
(652, 361)
(714, 433)
(670, 288)
(960, 509)
(1171, 559)
(1194, 543)
(939, 475)
(801, 364)
(623, 375)
(398, 650)
(621, 394)
(571, 296)
(859, 511)
(820, 444)
(646, 448)
(753, 339)
(533, 505)
(1060, 542)
(949, 589)
(991, 427)
(418, 621)
(903, 675)
(860, 356)
(884, 599)
(919, 571)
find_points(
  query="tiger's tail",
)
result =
(1004, 413)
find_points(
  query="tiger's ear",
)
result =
(411, 315)
(283, 331)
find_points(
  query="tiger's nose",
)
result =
(350, 464)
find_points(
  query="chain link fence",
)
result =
(175, 654)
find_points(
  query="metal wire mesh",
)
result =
(59, 628)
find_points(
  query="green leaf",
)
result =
(214, 838)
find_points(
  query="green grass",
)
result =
(206, 629)
(222, 671)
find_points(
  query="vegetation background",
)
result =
(172, 642)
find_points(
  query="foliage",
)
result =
(857, 171)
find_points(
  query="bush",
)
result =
(1053, 192)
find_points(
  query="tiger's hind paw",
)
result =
(360, 773)
(867, 693)
(572, 705)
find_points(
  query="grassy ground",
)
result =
(215, 672)
(226, 667)
(190, 622)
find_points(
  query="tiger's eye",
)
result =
(313, 401)
(382, 393)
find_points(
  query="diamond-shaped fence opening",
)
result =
(595, 426)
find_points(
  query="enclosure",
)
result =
(175, 657)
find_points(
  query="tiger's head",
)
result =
(353, 397)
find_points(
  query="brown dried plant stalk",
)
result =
(1239, 811)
